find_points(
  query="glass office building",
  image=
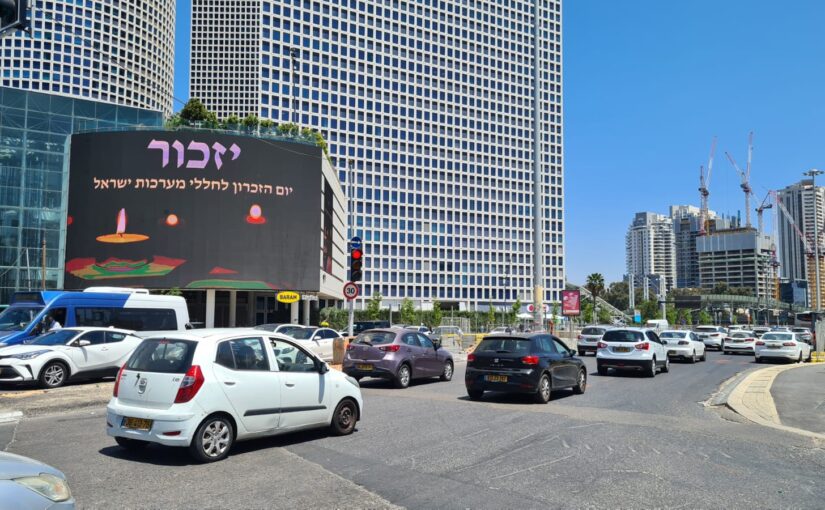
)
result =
(431, 105)
(34, 129)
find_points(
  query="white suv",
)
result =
(205, 389)
(54, 357)
(712, 336)
(632, 349)
(589, 338)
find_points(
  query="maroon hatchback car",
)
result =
(399, 355)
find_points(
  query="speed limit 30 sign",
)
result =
(350, 291)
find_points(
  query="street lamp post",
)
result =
(293, 54)
(812, 174)
(538, 238)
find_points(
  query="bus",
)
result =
(125, 308)
(804, 320)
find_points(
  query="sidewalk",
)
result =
(800, 398)
(35, 402)
(753, 398)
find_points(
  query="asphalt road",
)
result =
(628, 441)
(799, 398)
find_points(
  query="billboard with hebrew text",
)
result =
(193, 209)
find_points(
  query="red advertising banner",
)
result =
(571, 302)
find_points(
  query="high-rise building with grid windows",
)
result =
(430, 103)
(115, 52)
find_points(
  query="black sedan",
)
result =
(534, 363)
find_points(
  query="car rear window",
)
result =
(673, 334)
(375, 338)
(777, 336)
(505, 345)
(623, 336)
(741, 334)
(707, 329)
(592, 331)
(167, 356)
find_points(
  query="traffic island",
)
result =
(752, 399)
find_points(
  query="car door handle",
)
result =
(289, 385)
(229, 383)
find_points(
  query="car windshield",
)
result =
(673, 334)
(16, 318)
(623, 336)
(59, 337)
(592, 331)
(167, 356)
(268, 327)
(800, 330)
(375, 338)
(777, 336)
(505, 345)
(300, 333)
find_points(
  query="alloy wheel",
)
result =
(544, 388)
(448, 371)
(216, 438)
(404, 375)
(54, 374)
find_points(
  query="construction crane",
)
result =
(704, 191)
(766, 204)
(745, 179)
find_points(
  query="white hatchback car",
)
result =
(589, 338)
(54, 357)
(712, 336)
(318, 340)
(782, 345)
(206, 389)
(740, 341)
(683, 344)
(632, 349)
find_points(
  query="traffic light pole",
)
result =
(351, 316)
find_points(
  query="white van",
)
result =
(657, 324)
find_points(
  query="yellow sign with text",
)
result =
(288, 296)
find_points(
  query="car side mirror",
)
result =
(83, 343)
(322, 367)
(437, 344)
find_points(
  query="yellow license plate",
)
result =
(622, 349)
(364, 367)
(495, 378)
(137, 423)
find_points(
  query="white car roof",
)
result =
(86, 329)
(674, 331)
(217, 334)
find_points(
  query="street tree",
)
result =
(374, 306)
(491, 316)
(194, 111)
(436, 315)
(512, 315)
(407, 311)
(595, 285)
(604, 316)
(704, 318)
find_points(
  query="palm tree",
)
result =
(595, 285)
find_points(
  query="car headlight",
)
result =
(29, 355)
(49, 486)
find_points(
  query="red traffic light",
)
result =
(356, 254)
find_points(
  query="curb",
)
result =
(751, 398)
(11, 417)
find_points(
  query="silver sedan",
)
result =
(31, 484)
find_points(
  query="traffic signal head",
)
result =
(12, 15)
(356, 263)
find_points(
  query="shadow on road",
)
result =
(34, 385)
(386, 383)
(517, 398)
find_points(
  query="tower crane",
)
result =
(766, 204)
(704, 191)
(745, 179)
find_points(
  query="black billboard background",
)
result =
(218, 242)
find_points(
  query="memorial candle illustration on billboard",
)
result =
(120, 236)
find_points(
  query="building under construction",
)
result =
(741, 257)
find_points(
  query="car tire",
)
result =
(581, 383)
(344, 418)
(213, 439)
(545, 389)
(475, 394)
(704, 356)
(53, 375)
(403, 376)
(757, 359)
(651, 369)
(666, 366)
(800, 357)
(809, 356)
(693, 358)
(130, 444)
(600, 369)
(447, 374)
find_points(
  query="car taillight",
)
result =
(579, 337)
(389, 348)
(644, 346)
(601, 345)
(117, 380)
(760, 342)
(530, 360)
(789, 344)
(189, 386)
(471, 357)
(350, 347)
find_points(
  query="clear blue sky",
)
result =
(647, 84)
